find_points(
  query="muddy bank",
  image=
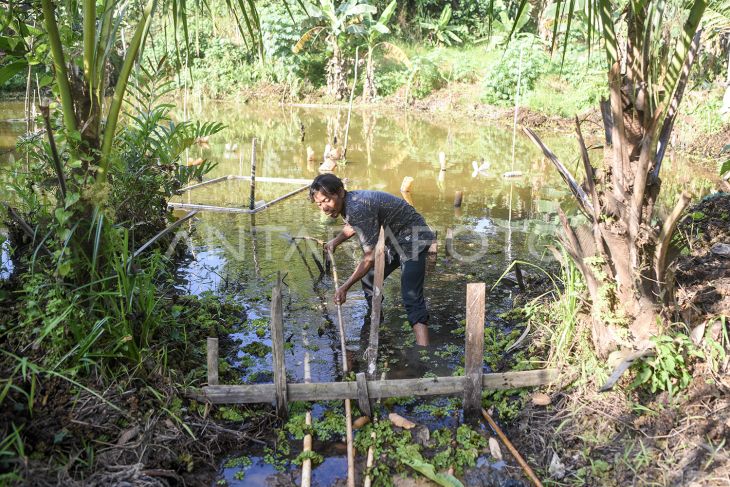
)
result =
(463, 100)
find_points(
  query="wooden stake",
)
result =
(474, 360)
(458, 196)
(345, 370)
(371, 354)
(405, 186)
(363, 399)
(212, 361)
(252, 197)
(442, 161)
(449, 241)
(518, 275)
(277, 345)
(525, 467)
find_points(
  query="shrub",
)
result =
(500, 83)
(424, 77)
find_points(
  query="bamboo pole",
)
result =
(345, 370)
(349, 110)
(225, 209)
(252, 196)
(521, 461)
(164, 232)
(307, 442)
(371, 449)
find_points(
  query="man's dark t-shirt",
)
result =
(406, 232)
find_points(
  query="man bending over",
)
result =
(407, 238)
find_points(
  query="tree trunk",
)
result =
(369, 90)
(336, 83)
(621, 253)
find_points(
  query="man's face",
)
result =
(331, 205)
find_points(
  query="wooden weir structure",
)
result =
(365, 389)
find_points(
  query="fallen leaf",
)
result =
(697, 333)
(541, 399)
(360, 422)
(428, 470)
(494, 448)
(127, 435)
(556, 468)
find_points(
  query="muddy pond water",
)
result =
(237, 255)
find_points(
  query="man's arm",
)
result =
(346, 233)
(367, 263)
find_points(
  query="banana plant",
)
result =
(372, 31)
(625, 250)
(442, 32)
(336, 24)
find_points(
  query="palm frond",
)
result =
(310, 34)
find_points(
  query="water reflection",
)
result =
(501, 219)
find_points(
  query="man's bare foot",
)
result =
(421, 332)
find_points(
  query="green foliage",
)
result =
(224, 68)
(474, 17)
(668, 370)
(522, 60)
(441, 31)
(424, 77)
(725, 166)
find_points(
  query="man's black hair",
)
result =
(328, 184)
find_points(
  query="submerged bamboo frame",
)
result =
(227, 209)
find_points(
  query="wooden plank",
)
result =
(252, 196)
(330, 391)
(474, 358)
(212, 361)
(363, 399)
(277, 345)
(371, 354)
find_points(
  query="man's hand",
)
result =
(341, 295)
(330, 246)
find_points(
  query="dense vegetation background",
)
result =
(99, 347)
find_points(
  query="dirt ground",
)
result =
(619, 438)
